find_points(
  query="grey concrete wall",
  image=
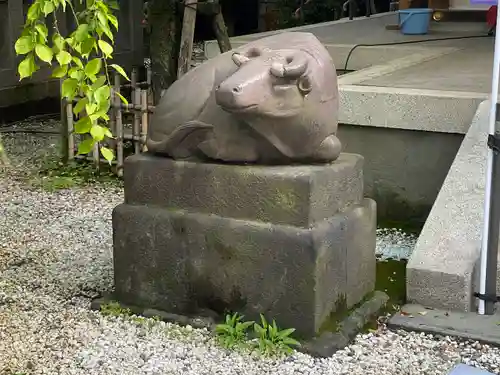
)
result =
(442, 269)
(404, 169)
(13, 95)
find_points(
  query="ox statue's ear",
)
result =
(304, 84)
(253, 52)
(256, 51)
(239, 59)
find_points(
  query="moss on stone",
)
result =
(410, 227)
(214, 242)
(391, 279)
(245, 172)
(338, 313)
(334, 321)
(286, 199)
(281, 200)
(394, 211)
(113, 308)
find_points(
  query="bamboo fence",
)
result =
(127, 122)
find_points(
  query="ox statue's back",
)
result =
(271, 101)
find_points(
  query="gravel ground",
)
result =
(55, 255)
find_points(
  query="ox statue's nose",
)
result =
(227, 96)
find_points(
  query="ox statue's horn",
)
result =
(295, 67)
(239, 59)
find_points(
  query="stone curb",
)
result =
(329, 342)
(324, 346)
(467, 326)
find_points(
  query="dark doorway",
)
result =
(241, 17)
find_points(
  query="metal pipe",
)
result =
(489, 241)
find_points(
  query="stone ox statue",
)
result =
(271, 101)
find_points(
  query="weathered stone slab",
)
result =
(463, 369)
(466, 325)
(178, 261)
(290, 195)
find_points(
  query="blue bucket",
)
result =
(414, 21)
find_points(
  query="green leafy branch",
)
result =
(82, 62)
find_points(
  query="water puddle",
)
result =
(394, 244)
(394, 248)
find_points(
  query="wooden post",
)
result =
(69, 131)
(187, 37)
(112, 123)
(220, 31)
(64, 132)
(133, 78)
(95, 153)
(149, 78)
(119, 129)
(68, 143)
(96, 157)
(136, 115)
(3, 155)
(145, 116)
(136, 96)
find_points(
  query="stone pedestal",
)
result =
(292, 242)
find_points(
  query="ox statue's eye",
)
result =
(304, 84)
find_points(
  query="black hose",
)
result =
(409, 42)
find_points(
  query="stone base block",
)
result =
(179, 261)
(297, 195)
